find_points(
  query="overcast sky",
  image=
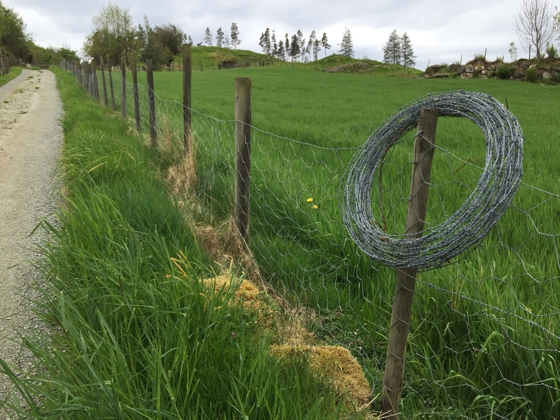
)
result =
(440, 31)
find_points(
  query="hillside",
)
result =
(211, 58)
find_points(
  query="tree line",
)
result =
(114, 33)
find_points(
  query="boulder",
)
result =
(461, 69)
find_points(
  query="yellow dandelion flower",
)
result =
(310, 200)
(315, 206)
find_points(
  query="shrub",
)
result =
(453, 75)
(531, 75)
(504, 72)
(551, 51)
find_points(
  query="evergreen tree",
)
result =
(301, 44)
(316, 49)
(208, 37)
(346, 46)
(220, 38)
(152, 47)
(407, 51)
(172, 37)
(273, 40)
(265, 42)
(287, 45)
(311, 43)
(325, 43)
(392, 49)
(295, 50)
(235, 41)
(281, 52)
(227, 42)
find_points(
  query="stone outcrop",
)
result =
(546, 70)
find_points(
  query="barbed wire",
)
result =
(473, 220)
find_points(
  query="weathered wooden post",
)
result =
(242, 155)
(95, 82)
(424, 146)
(151, 102)
(187, 100)
(123, 88)
(109, 70)
(136, 99)
(102, 65)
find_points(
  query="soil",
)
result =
(30, 146)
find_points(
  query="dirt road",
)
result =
(30, 145)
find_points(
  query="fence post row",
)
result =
(136, 99)
(242, 155)
(151, 102)
(406, 278)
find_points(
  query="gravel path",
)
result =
(30, 145)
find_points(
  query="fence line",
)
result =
(485, 330)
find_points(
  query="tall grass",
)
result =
(136, 332)
(12, 74)
(485, 331)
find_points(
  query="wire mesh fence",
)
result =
(485, 331)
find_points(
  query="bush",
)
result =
(551, 51)
(504, 72)
(531, 75)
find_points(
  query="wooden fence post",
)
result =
(123, 88)
(102, 65)
(151, 102)
(406, 278)
(109, 70)
(187, 99)
(242, 155)
(95, 82)
(136, 99)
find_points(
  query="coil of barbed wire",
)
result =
(470, 223)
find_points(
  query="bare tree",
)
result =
(534, 24)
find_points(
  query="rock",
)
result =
(518, 74)
(469, 69)
(461, 69)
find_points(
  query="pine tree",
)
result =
(346, 46)
(316, 49)
(392, 49)
(301, 43)
(281, 52)
(287, 45)
(407, 51)
(235, 41)
(311, 43)
(295, 50)
(208, 37)
(220, 38)
(325, 43)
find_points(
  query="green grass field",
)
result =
(484, 338)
